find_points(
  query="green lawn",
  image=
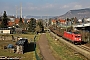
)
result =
(8, 53)
(61, 51)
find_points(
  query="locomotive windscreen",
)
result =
(77, 36)
(76, 32)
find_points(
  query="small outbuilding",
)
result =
(21, 45)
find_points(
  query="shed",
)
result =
(21, 45)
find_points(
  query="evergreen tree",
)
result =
(0, 18)
(32, 25)
(83, 20)
(21, 24)
(50, 19)
(4, 23)
(40, 27)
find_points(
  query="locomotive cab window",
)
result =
(77, 36)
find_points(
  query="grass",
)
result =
(61, 51)
(25, 56)
(37, 47)
(29, 36)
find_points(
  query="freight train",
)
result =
(73, 37)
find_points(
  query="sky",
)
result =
(42, 7)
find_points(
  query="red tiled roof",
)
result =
(17, 20)
(54, 21)
(62, 20)
(10, 23)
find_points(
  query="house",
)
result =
(53, 22)
(17, 20)
(5, 31)
(5, 34)
(62, 21)
(88, 20)
(10, 23)
(14, 21)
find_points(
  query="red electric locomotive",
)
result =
(72, 36)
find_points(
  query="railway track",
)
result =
(84, 47)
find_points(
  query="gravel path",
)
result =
(44, 48)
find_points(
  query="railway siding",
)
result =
(77, 49)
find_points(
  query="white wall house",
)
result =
(4, 31)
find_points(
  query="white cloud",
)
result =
(54, 8)
(50, 8)
(77, 6)
(44, 7)
(32, 8)
(64, 6)
(71, 6)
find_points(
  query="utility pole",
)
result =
(66, 24)
(47, 22)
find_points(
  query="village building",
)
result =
(53, 22)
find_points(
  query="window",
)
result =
(77, 36)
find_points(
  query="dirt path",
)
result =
(44, 47)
